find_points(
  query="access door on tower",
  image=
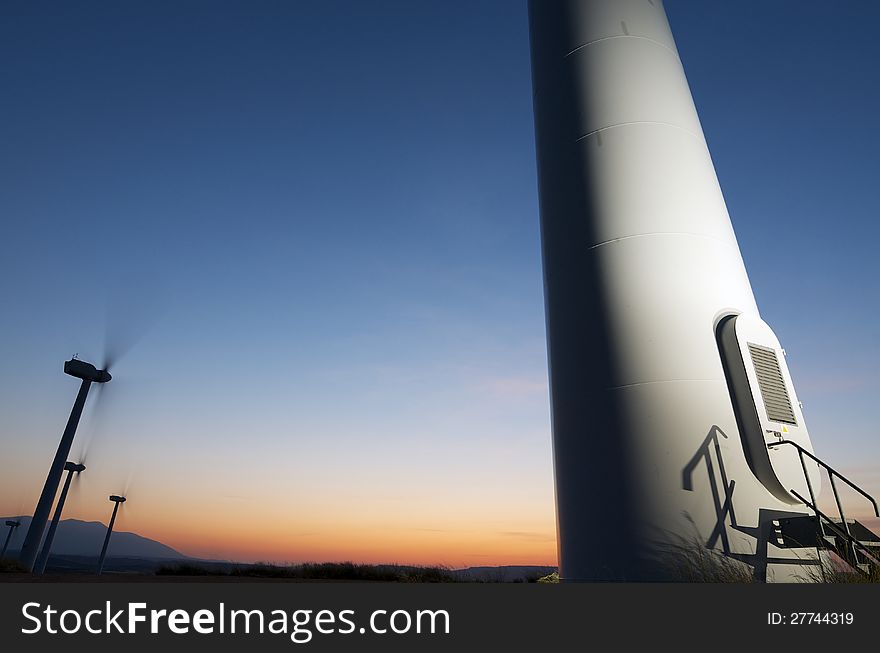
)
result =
(767, 408)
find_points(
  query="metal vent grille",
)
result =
(773, 391)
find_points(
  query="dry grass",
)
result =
(832, 569)
(692, 562)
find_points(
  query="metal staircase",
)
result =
(856, 544)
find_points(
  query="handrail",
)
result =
(830, 472)
(853, 542)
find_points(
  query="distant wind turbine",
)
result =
(117, 500)
(40, 566)
(12, 526)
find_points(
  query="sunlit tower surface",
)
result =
(674, 414)
(116, 499)
(71, 469)
(89, 374)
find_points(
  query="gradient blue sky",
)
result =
(319, 222)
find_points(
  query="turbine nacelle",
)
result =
(74, 467)
(86, 371)
(13, 523)
(117, 499)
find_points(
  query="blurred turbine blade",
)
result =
(128, 317)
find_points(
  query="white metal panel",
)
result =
(576, 24)
(642, 82)
(630, 176)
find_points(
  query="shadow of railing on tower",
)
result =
(723, 509)
(721, 488)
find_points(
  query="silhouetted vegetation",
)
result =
(185, 570)
(10, 566)
(347, 571)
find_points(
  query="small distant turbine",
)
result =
(117, 500)
(71, 469)
(89, 374)
(12, 526)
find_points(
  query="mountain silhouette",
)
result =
(84, 538)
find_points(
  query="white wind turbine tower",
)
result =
(674, 414)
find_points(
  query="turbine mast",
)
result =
(116, 500)
(89, 374)
(12, 526)
(641, 271)
(43, 558)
